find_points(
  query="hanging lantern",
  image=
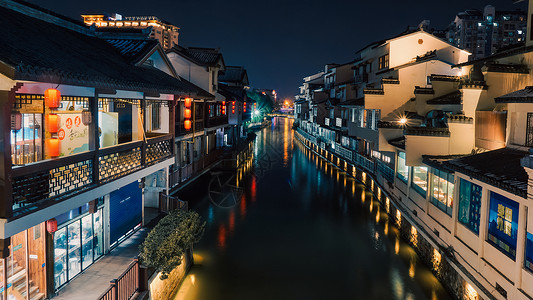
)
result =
(52, 97)
(187, 113)
(86, 117)
(188, 102)
(53, 123)
(187, 124)
(53, 147)
(16, 121)
(51, 225)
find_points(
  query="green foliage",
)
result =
(264, 102)
(165, 246)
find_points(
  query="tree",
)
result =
(165, 246)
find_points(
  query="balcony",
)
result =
(47, 182)
(180, 127)
(195, 168)
(216, 121)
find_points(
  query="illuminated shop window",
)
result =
(503, 224)
(469, 205)
(529, 252)
(402, 170)
(420, 180)
(442, 186)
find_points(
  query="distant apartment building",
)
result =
(483, 32)
(166, 33)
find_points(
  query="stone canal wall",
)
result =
(454, 277)
(166, 289)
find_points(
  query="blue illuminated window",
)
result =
(403, 169)
(503, 224)
(469, 205)
(529, 252)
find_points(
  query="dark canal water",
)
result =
(300, 230)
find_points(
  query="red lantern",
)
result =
(51, 225)
(53, 147)
(52, 97)
(188, 102)
(53, 123)
(187, 124)
(187, 113)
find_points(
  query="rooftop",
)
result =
(524, 95)
(500, 168)
(200, 56)
(36, 50)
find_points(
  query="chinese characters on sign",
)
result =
(505, 219)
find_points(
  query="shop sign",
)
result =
(34, 256)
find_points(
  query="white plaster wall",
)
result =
(6, 83)
(416, 146)
(467, 236)
(462, 138)
(160, 63)
(190, 71)
(404, 49)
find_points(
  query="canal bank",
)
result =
(441, 261)
(302, 230)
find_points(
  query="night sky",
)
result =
(281, 41)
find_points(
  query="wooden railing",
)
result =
(186, 172)
(44, 182)
(168, 203)
(126, 285)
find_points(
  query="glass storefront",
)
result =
(420, 180)
(442, 187)
(469, 205)
(402, 170)
(503, 224)
(78, 242)
(529, 252)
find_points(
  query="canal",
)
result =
(292, 226)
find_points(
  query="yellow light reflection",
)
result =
(470, 292)
(397, 246)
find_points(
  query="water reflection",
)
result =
(306, 231)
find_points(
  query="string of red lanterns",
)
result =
(52, 99)
(187, 113)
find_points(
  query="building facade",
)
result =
(166, 33)
(444, 147)
(483, 32)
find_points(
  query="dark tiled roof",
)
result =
(508, 68)
(232, 93)
(133, 49)
(36, 50)
(451, 98)
(398, 142)
(424, 90)
(521, 96)
(437, 161)
(200, 56)
(437, 77)
(233, 74)
(500, 168)
(504, 53)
